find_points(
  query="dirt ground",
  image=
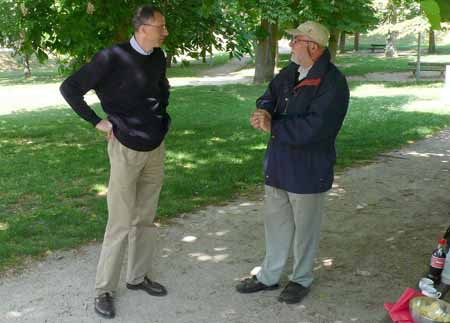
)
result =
(382, 221)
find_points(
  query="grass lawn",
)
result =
(54, 167)
(11, 74)
(360, 64)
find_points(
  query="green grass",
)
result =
(405, 42)
(54, 168)
(48, 73)
(361, 64)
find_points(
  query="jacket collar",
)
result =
(319, 68)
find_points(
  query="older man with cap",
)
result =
(303, 110)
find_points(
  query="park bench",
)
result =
(374, 47)
(428, 66)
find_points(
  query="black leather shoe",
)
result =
(151, 287)
(104, 306)
(293, 293)
(252, 285)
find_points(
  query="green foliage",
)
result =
(343, 15)
(437, 11)
(26, 26)
(196, 27)
(76, 29)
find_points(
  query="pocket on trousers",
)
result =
(121, 154)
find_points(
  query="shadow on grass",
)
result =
(54, 167)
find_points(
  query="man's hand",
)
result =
(261, 119)
(106, 127)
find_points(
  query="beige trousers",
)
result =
(133, 192)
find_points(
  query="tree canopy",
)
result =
(437, 11)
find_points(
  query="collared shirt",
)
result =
(303, 71)
(138, 48)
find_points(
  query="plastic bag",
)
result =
(399, 311)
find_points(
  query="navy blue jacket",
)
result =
(306, 118)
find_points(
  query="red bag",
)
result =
(399, 311)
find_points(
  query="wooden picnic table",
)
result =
(428, 66)
(374, 47)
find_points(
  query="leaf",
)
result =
(433, 12)
(444, 6)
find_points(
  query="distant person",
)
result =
(303, 110)
(130, 81)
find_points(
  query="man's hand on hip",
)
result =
(106, 127)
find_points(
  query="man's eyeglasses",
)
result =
(160, 27)
(296, 40)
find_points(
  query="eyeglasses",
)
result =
(160, 27)
(295, 41)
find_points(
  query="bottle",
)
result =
(437, 262)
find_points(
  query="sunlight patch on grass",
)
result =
(100, 189)
(423, 131)
(240, 97)
(436, 59)
(381, 90)
(178, 156)
(4, 226)
(217, 139)
(260, 146)
(437, 106)
(429, 99)
(189, 166)
(231, 159)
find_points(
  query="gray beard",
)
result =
(294, 59)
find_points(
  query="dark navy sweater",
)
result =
(133, 91)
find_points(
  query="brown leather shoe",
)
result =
(104, 306)
(151, 287)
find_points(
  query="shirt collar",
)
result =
(303, 72)
(138, 48)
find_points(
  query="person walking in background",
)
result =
(303, 110)
(130, 81)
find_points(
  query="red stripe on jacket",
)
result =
(308, 82)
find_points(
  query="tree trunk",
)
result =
(356, 42)
(169, 57)
(431, 42)
(265, 53)
(203, 55)
(391, 50)
(342, 42)
(332, 46)
(277, 55)
(26, 64)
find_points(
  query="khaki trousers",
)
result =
(290, 220)
(133, 192)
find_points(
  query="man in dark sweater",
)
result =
(130, 81)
